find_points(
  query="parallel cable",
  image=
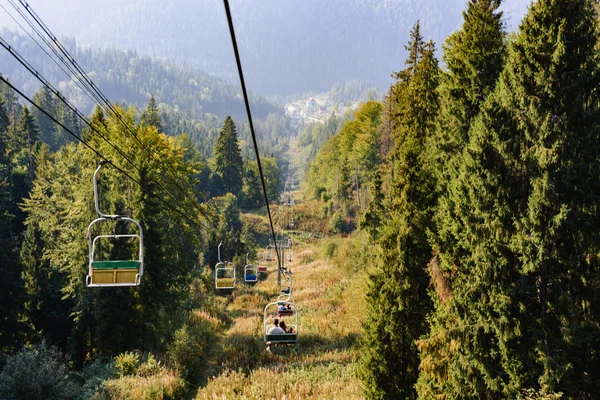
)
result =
(100, 155)
(78, 113)
(72, 74)
(101, 98)
(243, 83)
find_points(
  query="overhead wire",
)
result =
(78, 113)
(254, 141)
(80, 74)
(77, 82)
(100, 155)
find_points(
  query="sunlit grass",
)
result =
(164, 385)
(322, 365)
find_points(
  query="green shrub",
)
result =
(37, 372)
(330, 249)
(189, 350)
(95, 374)
(150, 367)
(127, 363)
(336, 223)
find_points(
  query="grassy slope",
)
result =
(330, 300)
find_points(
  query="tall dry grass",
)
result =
(330, 300)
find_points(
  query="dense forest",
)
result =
(446, 237)
(478, 185)
(289, 47)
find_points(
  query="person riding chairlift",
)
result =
(275, 330)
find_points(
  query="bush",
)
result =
(37, 372)
(330, 249)
(189, 350)
(150, 367)
(336, 223)
(127, 363)
(95, 374)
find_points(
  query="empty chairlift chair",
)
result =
(250, 272)
(286, 282)
(283, 311)
(262, 269)
(113, 272)
(224, 273)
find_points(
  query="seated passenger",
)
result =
(276, 330)
(283, 326)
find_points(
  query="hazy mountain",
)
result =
(130, 78)
(286, 46)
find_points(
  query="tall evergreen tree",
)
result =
(372, 218)
(228, 157)
(10, 279)
(4, 121)
(151, 115)
(11, 102)
(523, 302)
(252, 189)
(48, 131)
(397, 297)
(474, 57)
(24, 140)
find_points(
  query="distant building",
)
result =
(310, 101)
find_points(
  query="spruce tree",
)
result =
(373, 216)
(48, 131)
(4, 121)
(10, 279)
(522, 305)
(228, 158)
(474, 57)
(397, 298)
(151, 115)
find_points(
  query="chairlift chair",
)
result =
(291, 320)
(112, 273)
(224, 273)
(286, 282)
(250, 272)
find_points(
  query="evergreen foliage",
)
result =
(228, 159)
(151, 116)
(521, 210)
(397, 297)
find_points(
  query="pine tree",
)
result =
(397, 297)
(522, 310)
(373, 216)
(11, 102)
(24, 138)
(151, 115)
(4, 121)
(474, 56)
(10, 279)
(47, 129)
(252, 189)
(228, 158)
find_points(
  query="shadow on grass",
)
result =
(245, 352)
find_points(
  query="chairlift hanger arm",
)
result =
(97, 197)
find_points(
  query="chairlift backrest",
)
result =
(111, 273)
(224, 273)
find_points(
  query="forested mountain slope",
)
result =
(131, 78)
(286, 46)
